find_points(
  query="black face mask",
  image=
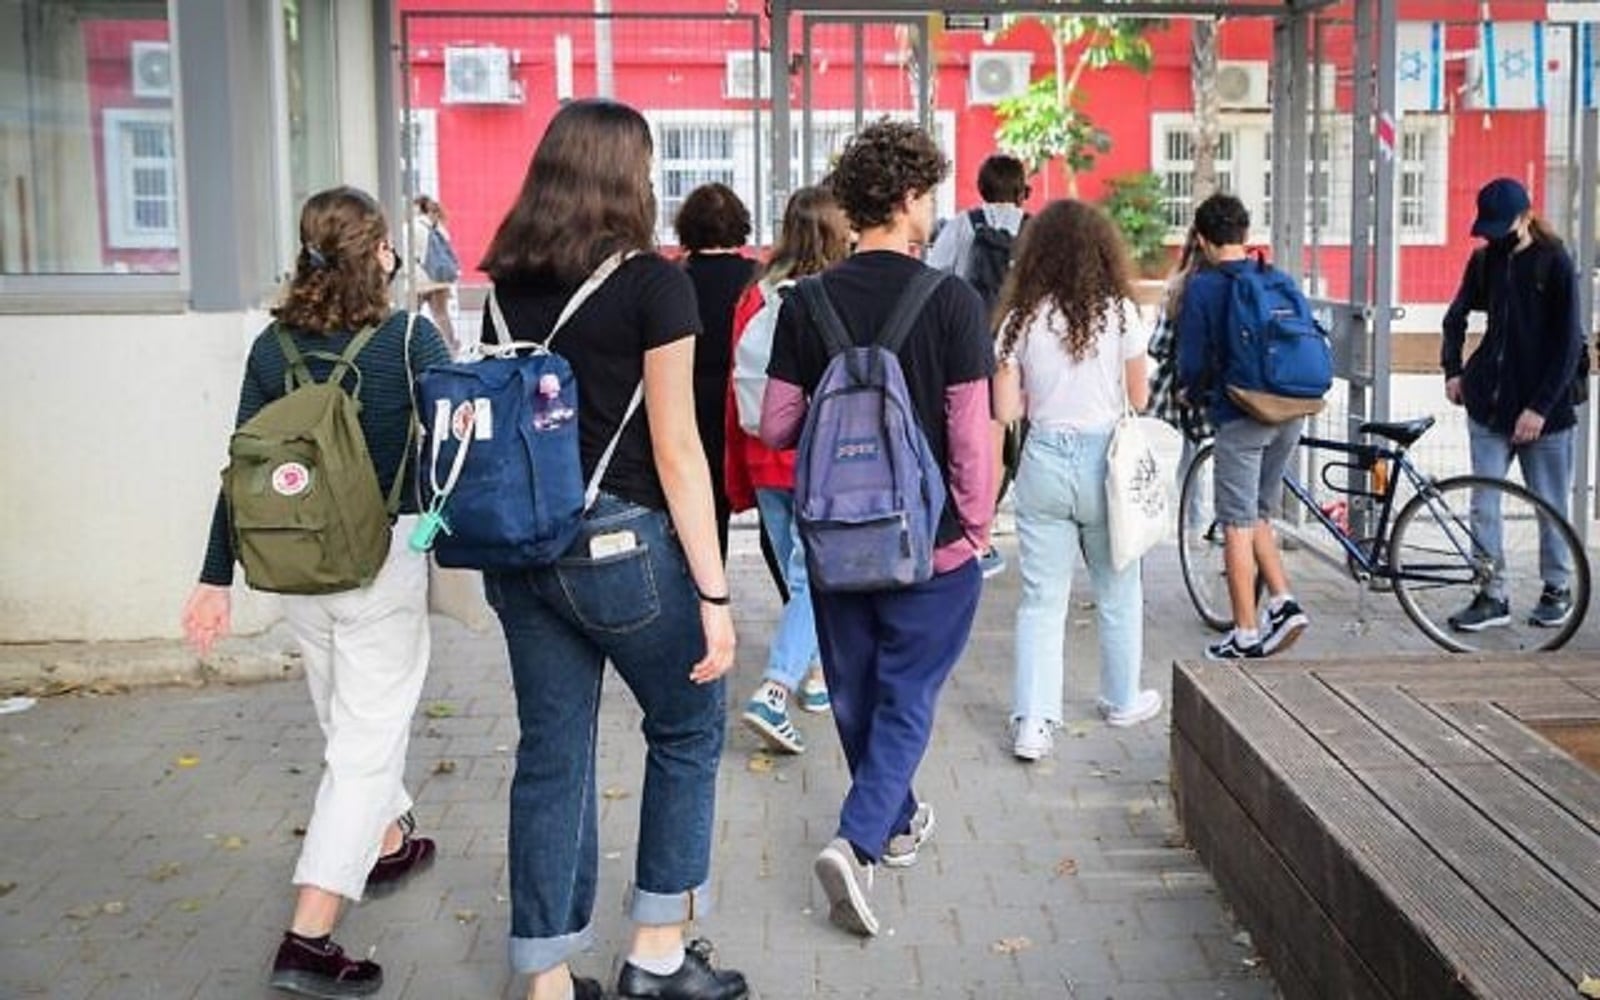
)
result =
(1506, 243)
(394, 269)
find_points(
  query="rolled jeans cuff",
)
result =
(534, 955)
(658, 909)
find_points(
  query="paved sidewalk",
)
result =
(149, 836)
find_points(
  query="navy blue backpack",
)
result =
(501, 477)
(1279, 363)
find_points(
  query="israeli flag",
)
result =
(1419, 66)
(1512, 61)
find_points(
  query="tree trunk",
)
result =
(1203, 78)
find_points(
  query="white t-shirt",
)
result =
(1087, 395)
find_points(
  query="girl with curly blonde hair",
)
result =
(1072, 358)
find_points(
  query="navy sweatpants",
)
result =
(886, 655)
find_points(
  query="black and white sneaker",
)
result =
(1553, 609)
(1284, 626)
(1229, 648)
(1484, 612)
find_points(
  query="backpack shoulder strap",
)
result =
(590, 285)
(912, 300)
(347, 360)
(823, 314)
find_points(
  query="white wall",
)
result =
(114, 430)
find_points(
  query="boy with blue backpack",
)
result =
(1248, 344)
(886, 363)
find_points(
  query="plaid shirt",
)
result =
(1167, 398)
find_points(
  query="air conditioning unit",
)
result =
(151, 65)
(479, 75)
(744, 77)
(994, 76)
(1242, 84)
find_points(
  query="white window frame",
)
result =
(741, 161)
(422, 131)
(1247, 175)
(121, 231)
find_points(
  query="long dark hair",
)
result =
(586, 195)
(339, 283)
(1190, 258)
(815, 235)
(1072, 256)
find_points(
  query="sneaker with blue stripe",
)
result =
(768, 715)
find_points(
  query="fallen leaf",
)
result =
(163, 872)
(439, 710)
(114, 908)
(759, 763)
(83, 912)
(445, 767)
(190, 905)
(1010, 945)
(466, 916)
(1066, 867)
(232, 843)
(1589, 986)
(188, 760)
(612, 793)
(6, 887)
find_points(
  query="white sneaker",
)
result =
(848, 885)
(1146, 705)
(1032, 738)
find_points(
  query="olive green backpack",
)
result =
(306, 513)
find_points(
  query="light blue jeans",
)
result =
(1061, 512)
(1546, 466)
(794, 644)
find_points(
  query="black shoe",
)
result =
(1284, 626)
(321, 969)
(413, 857)
(1484, 612)
(1553, 609)
(587, 989)
(1229, 648)
(694, 980)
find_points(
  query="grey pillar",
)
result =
(781, 182)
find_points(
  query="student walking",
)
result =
(1520, 387)
(886, 652)
(1250, 455)
(642, 587)
(434, 266)
(814, 236)
(1072, 360)
(713, 226)
(364, 649)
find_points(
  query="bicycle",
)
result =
(1431, 556)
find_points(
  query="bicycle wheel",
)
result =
(1200, 545)
(1442, 562)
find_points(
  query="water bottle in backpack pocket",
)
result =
(1280, 363)
(868, 491)
(501, 475)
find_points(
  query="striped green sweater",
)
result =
(385, 406)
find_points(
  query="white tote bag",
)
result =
(1140, 466)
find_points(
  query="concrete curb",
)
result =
(52, 668)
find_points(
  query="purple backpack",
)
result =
(868, 490)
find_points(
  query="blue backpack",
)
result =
(1279, 362)
(439, 260)
(501, 477)
(868, 490)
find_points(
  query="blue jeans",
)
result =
(636, 608)
(794, 645)
(1061, 513)
(885, 655)
(1546, 465)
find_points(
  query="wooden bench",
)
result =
(1399, 829)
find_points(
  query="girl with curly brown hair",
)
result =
(364, 650)
(1072, 358)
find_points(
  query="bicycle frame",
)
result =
(1367, 557)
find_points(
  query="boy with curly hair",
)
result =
(886, 653)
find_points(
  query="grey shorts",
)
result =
(1247, 469)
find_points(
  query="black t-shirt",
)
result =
(647, 303)
(719, 279)
(948, 345)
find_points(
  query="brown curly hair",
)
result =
(882, 164)
(1072, 255)
(339, 283)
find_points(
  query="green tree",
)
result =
(1046, 122)
(1134, 202)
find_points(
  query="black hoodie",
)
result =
(1533, 350)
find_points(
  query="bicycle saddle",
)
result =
(1402, 432)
